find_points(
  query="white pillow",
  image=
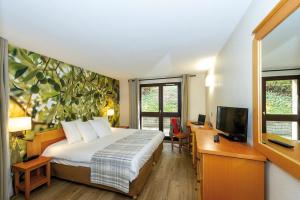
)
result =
(102, 118)
(101, 126)
(71, 131)
(86, 131)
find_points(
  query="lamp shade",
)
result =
(110, 112)
(19, 124)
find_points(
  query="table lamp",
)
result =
(110, 112)
(17, 125)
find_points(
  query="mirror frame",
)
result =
(281, 158)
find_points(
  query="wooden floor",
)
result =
(173, 178)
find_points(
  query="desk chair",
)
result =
(177, 133)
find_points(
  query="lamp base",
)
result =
(18, 134)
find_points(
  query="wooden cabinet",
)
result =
(200, 176)
(227, 170)
(193, 129)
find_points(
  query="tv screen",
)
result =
(232, 121)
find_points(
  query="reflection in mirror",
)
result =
(281, 80)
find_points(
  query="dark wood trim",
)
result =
(264, 121)
(282, 70)
(160, 99)
(286, 118)
(269, 78)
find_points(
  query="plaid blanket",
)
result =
(111, 165)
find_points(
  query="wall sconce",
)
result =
(209, 81)
(17, 125)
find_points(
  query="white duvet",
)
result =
(80, 154)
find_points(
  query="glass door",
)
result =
(158, 103)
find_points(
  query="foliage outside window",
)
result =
(150, 99)
(279, 97)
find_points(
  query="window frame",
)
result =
(160, 114)
(280, 117)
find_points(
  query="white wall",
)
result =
(124, 102)
(232, 77)
(280, 186)
(196, 96)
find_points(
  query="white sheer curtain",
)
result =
(134, 103)
(184, 101)
(5, 175)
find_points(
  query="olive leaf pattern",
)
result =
(50, 91)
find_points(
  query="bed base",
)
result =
(82, 175)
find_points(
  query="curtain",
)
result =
(184, 101)
(134, 103)
(5, 177)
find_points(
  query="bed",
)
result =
(73, 161)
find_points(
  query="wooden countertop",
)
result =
(194, 127)
(206, 145)
(32, 164)
(293, 153)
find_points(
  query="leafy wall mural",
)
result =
(50, 91)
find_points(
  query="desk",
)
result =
(193, 129)
(227, 170)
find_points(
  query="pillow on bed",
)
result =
(87, 131)
(101, 126)
(71, 131)
(102, 118)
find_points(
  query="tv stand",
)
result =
(227, 170)
(225, 135)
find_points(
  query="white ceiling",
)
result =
(122, 38)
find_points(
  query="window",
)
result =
(280, 106)
(150, 99)
(158, 103)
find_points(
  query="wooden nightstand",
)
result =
(34, 176)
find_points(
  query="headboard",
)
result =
(42, 140)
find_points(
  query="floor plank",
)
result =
(173, 178)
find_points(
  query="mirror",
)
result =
(276, 86)
(280, 81)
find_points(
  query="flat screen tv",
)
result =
(232, 122)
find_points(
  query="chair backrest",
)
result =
(175, 126)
